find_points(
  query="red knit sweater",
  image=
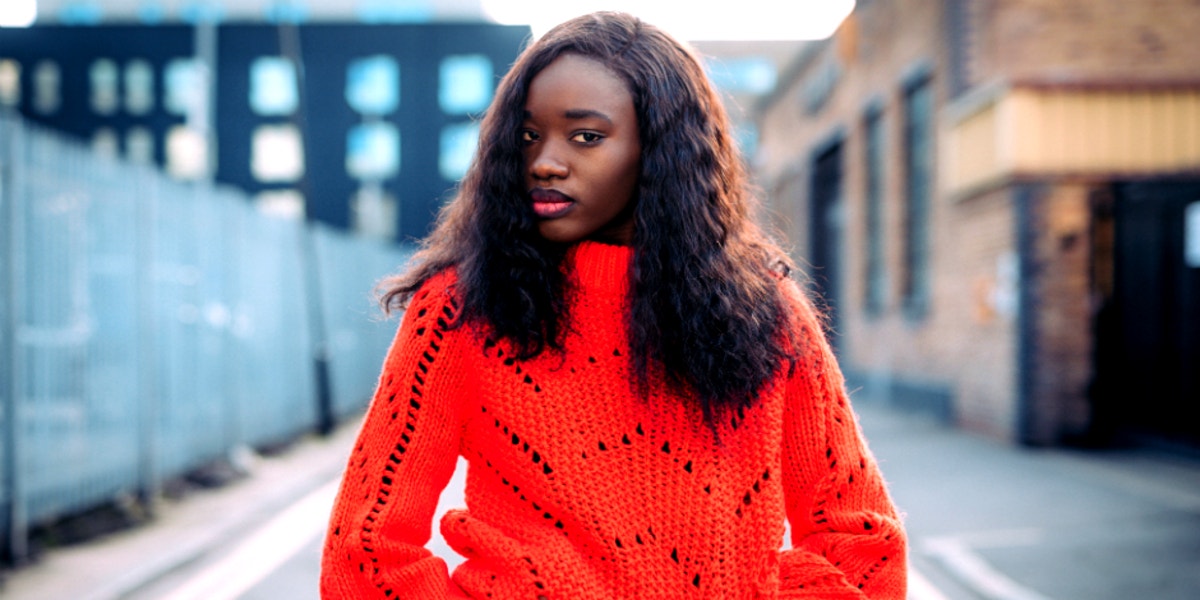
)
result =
(579, 489)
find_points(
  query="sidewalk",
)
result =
(987, 520)
(183, 531)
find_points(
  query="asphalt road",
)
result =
(986, 520)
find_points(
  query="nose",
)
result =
(545, 163)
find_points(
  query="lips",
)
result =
(550, 204)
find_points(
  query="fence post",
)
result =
(315, 305)
(15, 523)
(148, 391)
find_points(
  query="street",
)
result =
(986, 520)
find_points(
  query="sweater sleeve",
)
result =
(847, 540)
(405, 454)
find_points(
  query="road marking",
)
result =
(919, 588)
(955, 554)
(258, 556)
(263, 552)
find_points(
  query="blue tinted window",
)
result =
(103, 79)
(465, 83)
(273, 89)
(373, 151)
(373, 85)
(184, 82)
(457, 148)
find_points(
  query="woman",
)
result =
(596, 324)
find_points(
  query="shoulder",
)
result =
(437, 302)
(438, 290)
(802, 312)
(805, 324)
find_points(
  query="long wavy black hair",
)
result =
(706, 306)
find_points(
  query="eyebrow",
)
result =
(578, 113)
(583, 113)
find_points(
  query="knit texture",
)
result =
(579, 488)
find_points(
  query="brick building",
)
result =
(1000, 202)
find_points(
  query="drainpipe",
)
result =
(1025, 200)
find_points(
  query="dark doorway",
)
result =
(1148, 330)
(826, 231)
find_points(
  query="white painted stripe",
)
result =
(956, 556)
(263, 552)
(919, 588)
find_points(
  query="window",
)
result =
(139, 87)
(373, 85)
(374, 212)
(457, 147)
(918, 177)
(187, 153)
(184, 86)
(10, 82)
(465, 83)
(373, 151)
(104, 142)
(47, 87)
(276, 153)
(104, 95)
(875, 284)
(282, 204)
(139, 145)
(273, 89)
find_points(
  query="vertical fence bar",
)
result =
(147, 394)
(15, 526)
(231, 389)
(179, 352)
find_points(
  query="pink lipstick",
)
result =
(550, 204)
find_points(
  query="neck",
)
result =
(600, 266)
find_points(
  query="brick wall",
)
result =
(1087, 40)
(1064, 309)
(1005, 376)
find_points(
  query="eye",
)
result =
(528, 137)
(587, 137)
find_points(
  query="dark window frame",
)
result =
(874, 230)
(917, 162)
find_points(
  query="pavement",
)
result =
(183, 531)
(987, 520)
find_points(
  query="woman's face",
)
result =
(582, 153)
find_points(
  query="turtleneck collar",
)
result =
(600, 267)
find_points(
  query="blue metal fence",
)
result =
(149, 326)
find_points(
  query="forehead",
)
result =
(573, 81)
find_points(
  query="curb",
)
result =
(182, 533)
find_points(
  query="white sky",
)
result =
(17, 13)
(694, 20)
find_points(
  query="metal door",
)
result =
(1154, 367)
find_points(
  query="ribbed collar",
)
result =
(597, 267)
